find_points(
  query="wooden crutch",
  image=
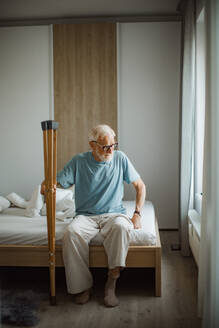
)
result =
(49, 142)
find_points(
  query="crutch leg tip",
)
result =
(52, 300)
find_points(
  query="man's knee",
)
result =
(71, 231)
(120, 226)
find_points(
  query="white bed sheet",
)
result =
(16, 228)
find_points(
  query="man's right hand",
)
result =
(43, 188)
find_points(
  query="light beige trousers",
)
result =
(115, 231)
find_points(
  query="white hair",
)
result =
(100, 130)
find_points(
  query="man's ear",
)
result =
(91, 144)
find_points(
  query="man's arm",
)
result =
(140, 199)
(66, 176)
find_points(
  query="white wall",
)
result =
(25, 101)
(148, 89)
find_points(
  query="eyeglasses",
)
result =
(107, 147)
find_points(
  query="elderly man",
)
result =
(99, 177)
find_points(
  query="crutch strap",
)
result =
(49, 125)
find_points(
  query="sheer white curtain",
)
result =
(187, 119)
(208, 297)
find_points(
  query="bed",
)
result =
(23, 242)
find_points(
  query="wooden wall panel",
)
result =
(85, 89)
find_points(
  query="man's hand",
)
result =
(136, 220)
(43, 188)
(140, 199)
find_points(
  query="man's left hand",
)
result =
(136, 220)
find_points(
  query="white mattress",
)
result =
(16, 228)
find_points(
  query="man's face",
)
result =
(100, 153)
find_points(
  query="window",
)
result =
(200, 110)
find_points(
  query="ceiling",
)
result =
(15, 10)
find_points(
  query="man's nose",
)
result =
(110, 149)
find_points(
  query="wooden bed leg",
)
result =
(158, 273)
(49, 138)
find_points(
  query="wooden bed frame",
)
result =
(37, 256)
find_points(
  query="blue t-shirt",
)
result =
(99, 186)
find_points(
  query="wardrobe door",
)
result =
(85, 90)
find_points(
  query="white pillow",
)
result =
(4, 203)
(64, 194)
(37, 207)
(64, 201)
(17, 200)
(35, 204)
